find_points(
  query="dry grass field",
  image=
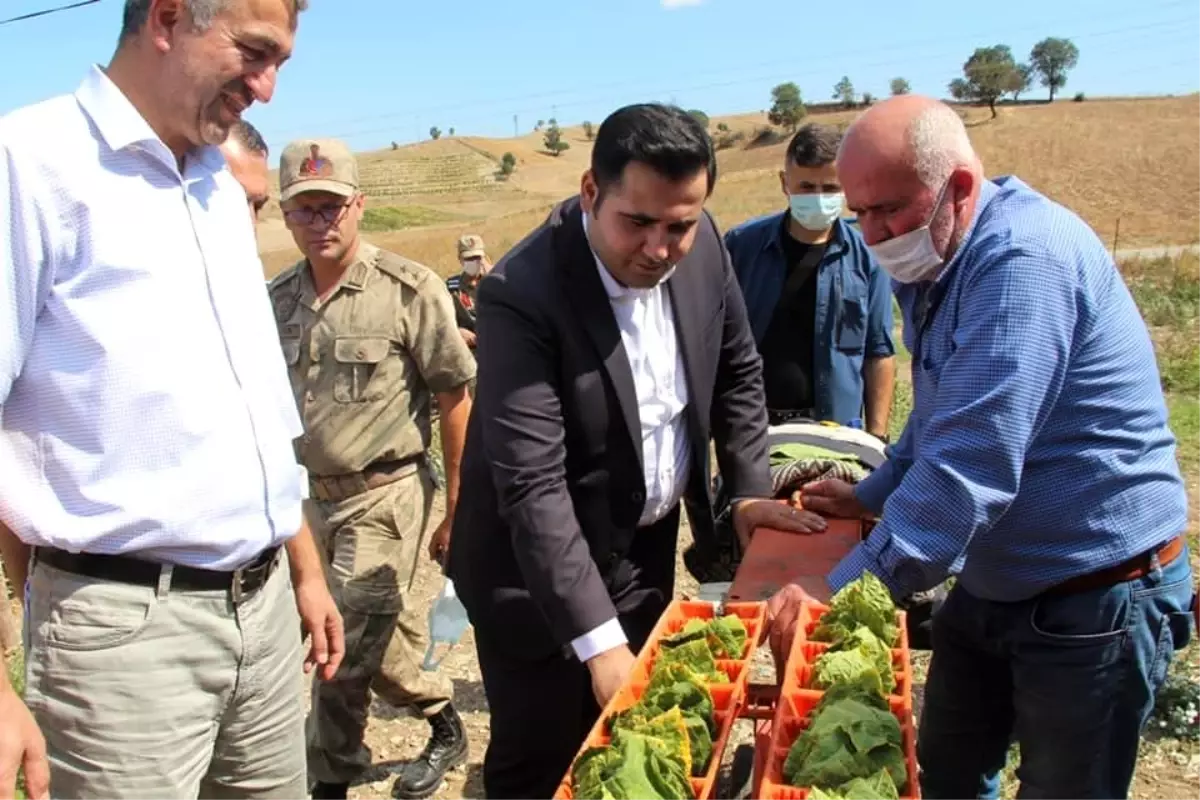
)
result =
(1136, 161)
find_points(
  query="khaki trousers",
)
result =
(372, 543)
(145, 692)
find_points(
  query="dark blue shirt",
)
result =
(853, 320)
(1038, 448)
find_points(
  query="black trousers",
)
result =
(542, 710)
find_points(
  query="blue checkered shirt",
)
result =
(1038, 447)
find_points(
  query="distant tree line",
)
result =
(990, 74)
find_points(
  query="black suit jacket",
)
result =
(552, 480)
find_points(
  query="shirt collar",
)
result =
(615, 289)
(121, 125)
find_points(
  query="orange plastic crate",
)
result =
(727, 698)
(796, 703)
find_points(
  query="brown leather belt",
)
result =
(333, 488)
(241, 582)
(1137, 567)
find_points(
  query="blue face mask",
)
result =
(815, 212)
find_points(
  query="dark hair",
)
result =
(665, 138)
(248, 137)
(814, 145)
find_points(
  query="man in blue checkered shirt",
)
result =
(1037, 467)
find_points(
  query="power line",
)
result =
(34, 14)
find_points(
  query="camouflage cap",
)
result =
(317, 165)
(470, 247)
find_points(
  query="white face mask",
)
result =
(472, 267)
(815, 212)
(912, 256)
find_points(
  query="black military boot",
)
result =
(329, 791)
(447, 748)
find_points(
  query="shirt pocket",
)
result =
(358, 360)
(851, 333)
(291, 351)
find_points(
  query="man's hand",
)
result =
(833, 498)
(609, 671)
(468, 337)
(783, 612)
(21, 747)
(751, 514)
(322, 622)
(439, 542)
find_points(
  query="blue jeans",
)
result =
(1070, 678)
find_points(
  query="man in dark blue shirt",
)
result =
(820, 307)
(1037, 465)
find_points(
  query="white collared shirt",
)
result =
(144, 402)
(647, 325)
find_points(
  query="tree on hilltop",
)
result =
(1024, 83)
(589, 130)
(900, 86)
(843, 90)
(435, 132)
(989, 74)
(553, 138)
(1051, 59)
(787, 109)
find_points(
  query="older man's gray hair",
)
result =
(940, 145)
(203, 12)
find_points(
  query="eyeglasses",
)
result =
(307, 216)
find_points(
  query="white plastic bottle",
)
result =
(447, 623)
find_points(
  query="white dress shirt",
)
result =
(144, 402)
(647, 327)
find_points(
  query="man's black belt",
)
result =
(240, 582)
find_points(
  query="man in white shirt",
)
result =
(149, 480)
(613, 342)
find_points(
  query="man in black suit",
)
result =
(613, 342)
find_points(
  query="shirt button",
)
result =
(361, 353)
(309, 397)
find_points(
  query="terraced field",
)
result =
(392, 175)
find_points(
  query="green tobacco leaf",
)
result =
(849, 667)
(632, 767)
(727, 637)
(697, 656)
(847, 737)
(878, 787)
(853, 655)
(865, 601)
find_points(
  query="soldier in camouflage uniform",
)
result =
(372, 346)
(473, 260)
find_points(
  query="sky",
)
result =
(375, 71)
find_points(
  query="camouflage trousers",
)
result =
(372, 544)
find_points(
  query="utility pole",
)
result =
(516, 130)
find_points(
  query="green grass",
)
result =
(16, 676)
(395, 218)
(1167, 290)
(1185, 422)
